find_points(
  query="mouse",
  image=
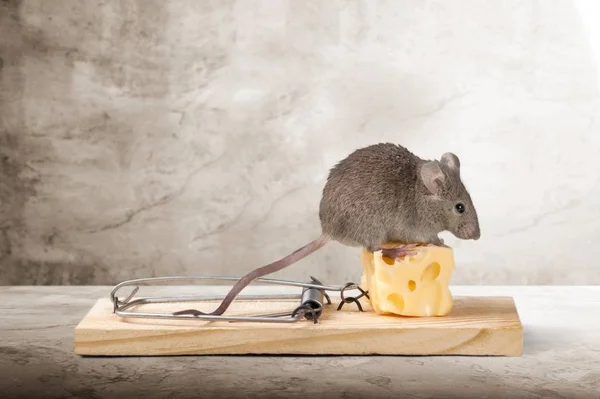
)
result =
(379, 194)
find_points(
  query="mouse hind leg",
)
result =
(399, 251)
(403, 246)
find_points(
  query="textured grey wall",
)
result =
(143, 138)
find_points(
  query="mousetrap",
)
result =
(308, 321)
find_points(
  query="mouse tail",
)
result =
(263, 271)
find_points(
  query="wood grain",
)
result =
(476, 326)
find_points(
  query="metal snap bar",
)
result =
(310, 307)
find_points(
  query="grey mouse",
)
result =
(380, 194)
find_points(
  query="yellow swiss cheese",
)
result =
(415, 285)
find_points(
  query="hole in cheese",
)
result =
(431, 272)
(387, 260)
(412, 285)
(397, 301)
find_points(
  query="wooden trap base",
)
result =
(476, 326)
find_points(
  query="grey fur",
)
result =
(380, 194)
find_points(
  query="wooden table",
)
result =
(561, 357)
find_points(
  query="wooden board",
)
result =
(476, 326)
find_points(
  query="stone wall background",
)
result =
(148, 138)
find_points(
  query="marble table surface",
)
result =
(561, 357)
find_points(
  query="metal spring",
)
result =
(352, 299)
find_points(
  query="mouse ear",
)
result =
(432, 177)
(451, 160)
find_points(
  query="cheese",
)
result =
(415, 285)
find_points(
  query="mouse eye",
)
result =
(460, 207)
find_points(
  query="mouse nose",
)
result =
(475, 233)
(471, 231)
